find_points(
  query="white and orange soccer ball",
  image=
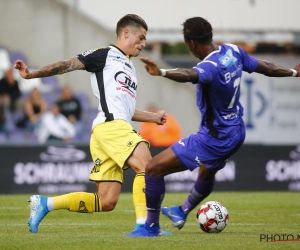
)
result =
(212, 217)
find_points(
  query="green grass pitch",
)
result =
(251, 214)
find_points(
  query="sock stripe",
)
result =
(97, 203)
(140, 174)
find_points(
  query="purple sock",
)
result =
(198, 193)
(155, 192)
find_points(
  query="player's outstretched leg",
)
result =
(38, 210)
(176, 215)
(146, 231)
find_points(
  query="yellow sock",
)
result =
(78, 202)
(139, 198)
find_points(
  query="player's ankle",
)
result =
(50, 204)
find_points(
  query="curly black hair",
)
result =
(130, 20)
(197, 29)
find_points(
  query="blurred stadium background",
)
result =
(43, 32)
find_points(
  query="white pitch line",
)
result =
(248, 224)
(109, 223)
(12, 208)
(116, 210)
(126, 211)
(58, 224)
(239, 213)
(258, 224)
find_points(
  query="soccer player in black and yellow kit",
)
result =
(114, 145)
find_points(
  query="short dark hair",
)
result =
(130, 20)
(197, 29)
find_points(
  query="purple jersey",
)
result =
(222, 130)
(218, 87)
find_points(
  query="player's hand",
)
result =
(23, 69)
(297, 68)
(151, 67)
(162, 117)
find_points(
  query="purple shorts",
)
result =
(203, 148)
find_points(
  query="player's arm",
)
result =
(178, 75)
(57, 68)
(159, 118)
(275, 70)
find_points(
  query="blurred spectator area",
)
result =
(50, 89)
(178, 54)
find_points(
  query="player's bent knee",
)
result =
(206, 174)
(152, 170)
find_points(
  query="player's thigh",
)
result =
(122, 144)
(107, 174)
(140, 157)
(105, 168)
(108, 193)
(164, 163)
(202, 148)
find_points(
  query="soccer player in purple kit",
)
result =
(222, 130)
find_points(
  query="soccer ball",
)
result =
(212, 217)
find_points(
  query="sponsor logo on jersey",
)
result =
(128, 65)
(232, 115)
(125, 81)
(228, 59)
(229, 75)
(117, 60)
(86, 53)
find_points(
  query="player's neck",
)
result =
(211, 47)
(207, 49)
(120, 44)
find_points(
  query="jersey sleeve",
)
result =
(94, 59)
(206, 71)
(249, 62)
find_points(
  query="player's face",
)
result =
(136, 41)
